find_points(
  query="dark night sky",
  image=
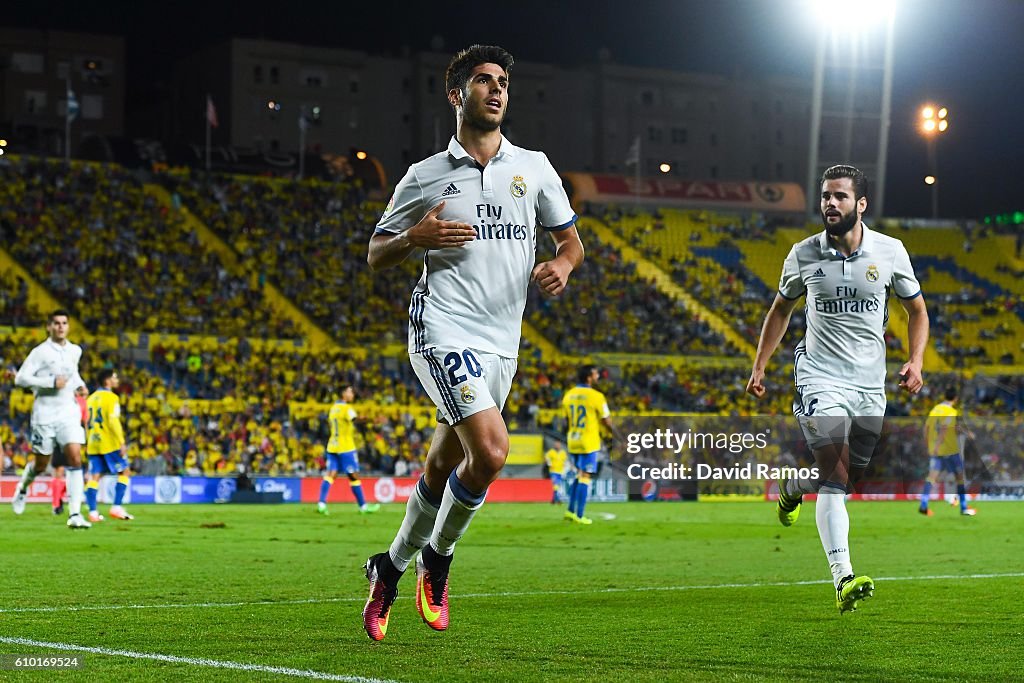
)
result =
(968, 55)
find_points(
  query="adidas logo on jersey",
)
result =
(451, 190)
(818, 273)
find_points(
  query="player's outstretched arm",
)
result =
(553, 275)
(26, 376)
(774, 328)
(431, 232)
(917, 332)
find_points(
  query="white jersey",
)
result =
(847, 307)
(473, 296)
(39, 372)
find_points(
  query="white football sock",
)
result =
(798, 487)
(27, 476)
(76, 489)
(834, 529)
(417, 526)
(454, 516)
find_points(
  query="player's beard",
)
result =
(476, 117)
(846, 224)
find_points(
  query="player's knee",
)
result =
(489, 457)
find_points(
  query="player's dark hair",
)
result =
(58, 312)
(951, 393)
(583, 373)
(860, 181)
(462, 64)
(103, 375)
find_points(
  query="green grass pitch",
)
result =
(670, 591)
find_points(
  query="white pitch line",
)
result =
(506, 594)
(195, 661)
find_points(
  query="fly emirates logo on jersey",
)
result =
(489, 225)
(846, 301)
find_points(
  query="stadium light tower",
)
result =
(842, 131)
(934, 123)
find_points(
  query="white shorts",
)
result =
(838, 415)
(463, 382)
(56, 434)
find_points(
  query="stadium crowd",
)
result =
(92, 236)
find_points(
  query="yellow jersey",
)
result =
(941, 432)
(584, 409)
(555, 458)
(105, 432)
(343, 429)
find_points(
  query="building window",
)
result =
(27, 62)
(92, 107)
(679, 136)
(35, 102)
(274, 75)
(314, 81)
(257, 74)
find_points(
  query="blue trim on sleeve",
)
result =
(563, 226)
(912, 296)
(383, 231)
(792, 298)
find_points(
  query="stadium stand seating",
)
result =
(118, 260)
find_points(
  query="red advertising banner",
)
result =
(391, 490)
(666, 191)
(38, 490)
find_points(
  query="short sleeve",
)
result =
(603, 403)
(405, 208)
(791, 285)
(904, 282)
(351, 414)
(554, 211)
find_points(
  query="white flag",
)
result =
(633, 155)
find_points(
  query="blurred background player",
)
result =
(586, 409)
(943, 432)
(846, 272)
(51, 371)
(58, 489)
(106, 446)
(341, 453)
(465, 315)
(555, 459)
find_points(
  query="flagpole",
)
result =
(206, 117)
(302, 141)
(636, 185)
(67, 121)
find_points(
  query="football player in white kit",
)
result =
(51, 372)
(847, 273)
(475, 209)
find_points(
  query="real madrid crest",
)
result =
(518, 187)
(467, 393)
(872, 273)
